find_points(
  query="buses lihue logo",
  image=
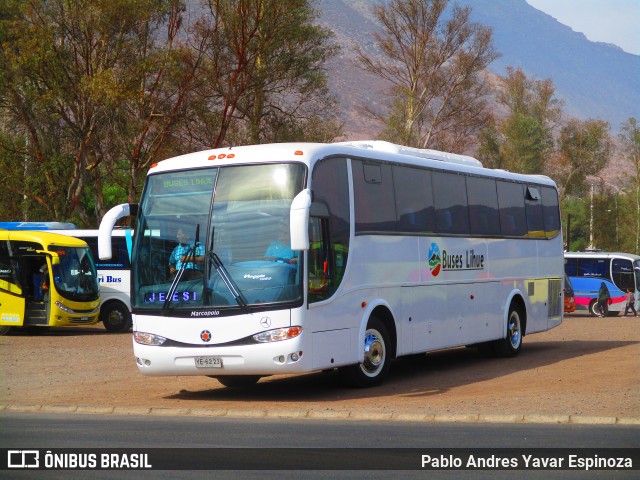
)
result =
(434, 259)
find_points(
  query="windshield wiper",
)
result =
(189, 256)
(228, 281)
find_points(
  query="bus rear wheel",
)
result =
(238, 381)
(115, 317)
(374, 368)
(510, 345)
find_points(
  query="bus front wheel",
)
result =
(115, 317)
(374, 368)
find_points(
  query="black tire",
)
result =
(115, 317)
(594, 311)
(377, 358)
(510, 345)
(238, 381)
(4, 329)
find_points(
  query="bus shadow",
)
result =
(422, 375)
(36, 331)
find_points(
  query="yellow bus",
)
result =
(46, 280)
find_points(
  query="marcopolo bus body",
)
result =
(588, 270)
(269, 259)
(46, 280)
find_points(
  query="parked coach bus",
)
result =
(46, 280)
(588, 270)
(293, 258)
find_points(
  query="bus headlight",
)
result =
(144, 338)
(64, 308)
(278, 334)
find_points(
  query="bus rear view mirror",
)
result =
(299, 220)
(107, 224)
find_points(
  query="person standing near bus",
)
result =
(604, 297)
(631, 304)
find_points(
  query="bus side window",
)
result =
(9, 278)
(623, 277)
(450, 198)
(319, 261)
(330, 187)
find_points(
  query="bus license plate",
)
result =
(208, 362)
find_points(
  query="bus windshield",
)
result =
(217, 238)
(75, 278)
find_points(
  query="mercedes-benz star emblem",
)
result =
(265, 322)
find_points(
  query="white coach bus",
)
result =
(303, 257)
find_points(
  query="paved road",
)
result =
(26, 430)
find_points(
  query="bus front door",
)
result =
(36, 283)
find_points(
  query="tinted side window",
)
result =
(551, 211)
(330, 186)
(594, 267)
(571, 266)
(512, 215)
(414, 199)
(533, 202)
(8, 267)
(623, 277)
(374, 197)
(120, 258)
(450, 198)
(483, 206)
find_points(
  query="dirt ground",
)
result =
(587, 366)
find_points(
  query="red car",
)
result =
(569, 296)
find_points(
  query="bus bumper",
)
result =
(286, 356)
(69, 317)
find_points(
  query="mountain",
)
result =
(596, 80)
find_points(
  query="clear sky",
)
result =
(611, 21)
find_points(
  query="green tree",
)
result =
(66, 76)
(522, 140)
(262, 77)
(434, 66)
(584, 149)
(630, 136)
(575, 219)
(158, 78)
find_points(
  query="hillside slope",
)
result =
(596, 80)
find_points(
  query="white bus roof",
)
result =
(309, 153)
(630, 256)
